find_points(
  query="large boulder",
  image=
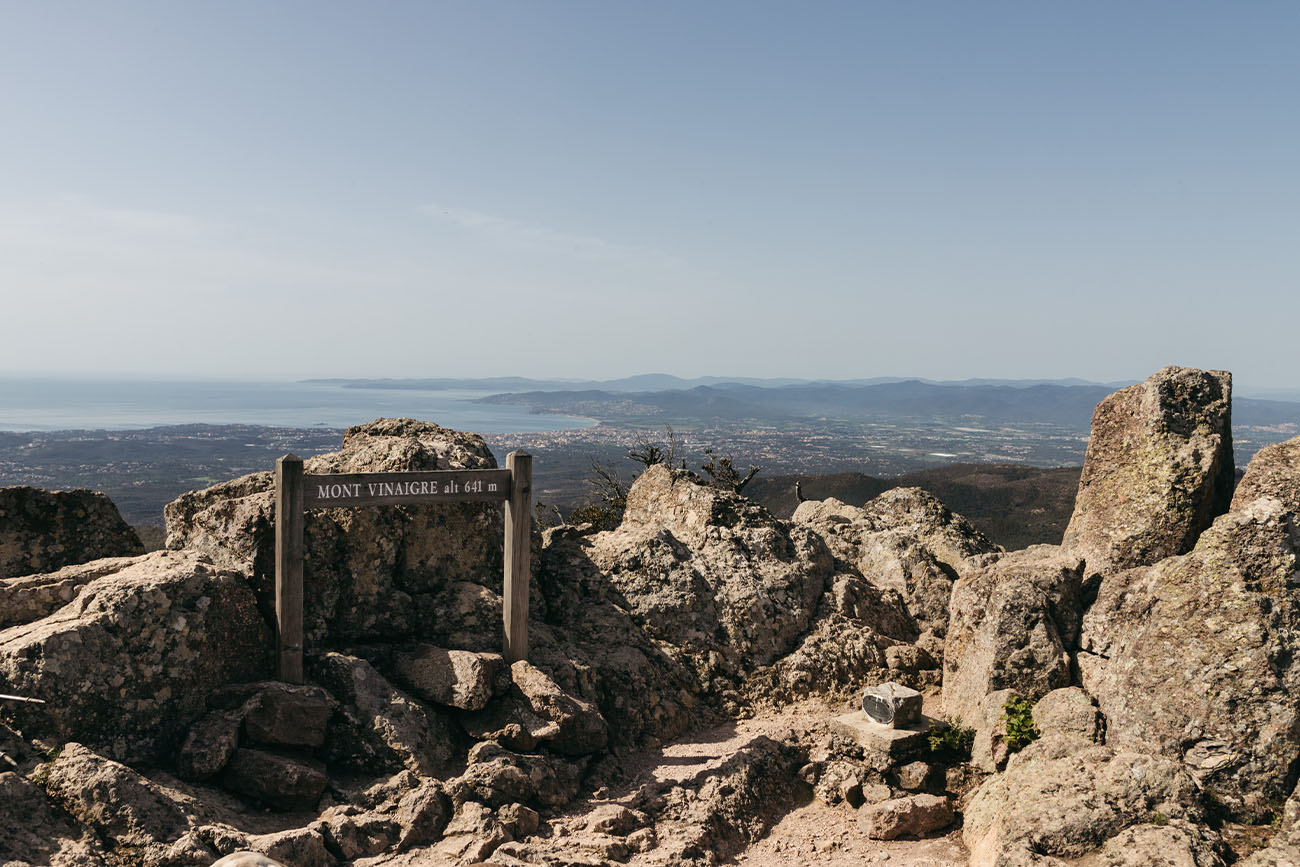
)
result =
(712, 574)
(1159, 468)
(126, 666)
(1196, 657)
(904, 540)
(32, 597)
(1014, 626)
(368, 573)
(1058, 801)
(43, 531)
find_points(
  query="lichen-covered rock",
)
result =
(1274, 471)
(32, 597)
(368, 573)
(455, 678)
(127, 665)
(121, 806)
(43, 531)
(593, 648)
(1070, 711)
(1159, 468)
(711, 574)
(379, 726)
(1015, 623)
(537, 712)
(1195, 657)
(282, 782)
(904, 540)
(33, 831)
(1056, 802)
(914, 815)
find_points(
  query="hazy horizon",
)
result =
(830, 191)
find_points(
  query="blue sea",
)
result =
(42, 404)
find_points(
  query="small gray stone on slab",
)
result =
(892, 704)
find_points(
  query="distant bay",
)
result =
(44, 404)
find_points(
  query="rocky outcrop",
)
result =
(1195, 657)
(536, 712)
(126, 665)
(43, 531)
(32, 597)
(1014, 626)
(1274, 471)
(906, 541)
(1159, 468)
(369, 574)
(711, 573)
(1056, 803)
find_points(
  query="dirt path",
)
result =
(812, 833)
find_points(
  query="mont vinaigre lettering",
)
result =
(397, 489)
(363, 489)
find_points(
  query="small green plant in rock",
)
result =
(950, 742)
(1018, 714)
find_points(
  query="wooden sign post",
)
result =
(295, 492)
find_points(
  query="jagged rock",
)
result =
(277, 781)
(1194, 657)
(209, 746)
(288, 715)
(357, 833)
(496, 776)
(422, 815)
(711, 574)
(518, 820)
(367, 572)
(914, 815)
(1056, 801)
(1284, 849)
(904, 540)
(472, 835)
(121, 806)
(1274, 471)
(456, 678)
(380, 726)
(537, 711)
(33, 831)
(43, 531)
(1015, 622)
(595, 650)
(32, 597)
(915, 776)
(1159, 468)
(127, 665)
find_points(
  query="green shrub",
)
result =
(1018, 714)
(950, 742)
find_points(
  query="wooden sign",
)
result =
(295, 492)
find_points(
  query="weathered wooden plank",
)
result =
(288, 566)
(347, 490)
(519, 525)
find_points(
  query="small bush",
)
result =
(1018, 714)
(950, 741)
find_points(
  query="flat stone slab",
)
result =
(880, 738)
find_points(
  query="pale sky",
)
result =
(598, 189)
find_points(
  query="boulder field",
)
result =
(1128, 697)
